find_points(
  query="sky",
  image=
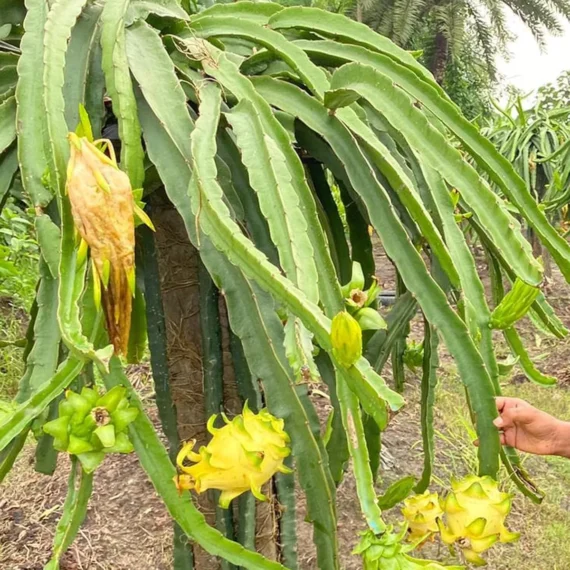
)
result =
(528, 68)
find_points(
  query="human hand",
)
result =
(528, 429)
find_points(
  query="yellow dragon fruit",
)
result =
(475, 513)
(388, 552)
(422, 512)
(346, 338)
(103, 210)
(241, 456)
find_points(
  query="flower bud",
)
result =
(103, 208)
(346, 338)
(369, 319)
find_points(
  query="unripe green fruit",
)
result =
(388, 552)
(91, 425)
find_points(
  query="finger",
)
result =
(503, 439)
(476, 443)
(499, 422)
(501, 402)
(504, 403)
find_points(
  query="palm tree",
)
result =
(445, 23)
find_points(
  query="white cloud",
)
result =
(528, 68)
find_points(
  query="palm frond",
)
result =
(539, 17)
(380, 16)
(496, 17)
(406, 16)
(562, 7)
(485, 35)
(450, 20)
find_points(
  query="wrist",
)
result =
(562, 440)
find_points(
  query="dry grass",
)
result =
(126, 524)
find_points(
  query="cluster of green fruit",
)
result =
(91, 425)
(388, 552)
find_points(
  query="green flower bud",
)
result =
(506, 366)
(370, 320)
(346, 338)
(514, 305)
(356, 281)
(414, 355)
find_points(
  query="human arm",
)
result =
(531, 430)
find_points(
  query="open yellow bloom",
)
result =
(103, 210)
(241, 456)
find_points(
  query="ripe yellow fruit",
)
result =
(346, 338)
(422, 512)
(475, 513)
(241, 456)
(103, 209)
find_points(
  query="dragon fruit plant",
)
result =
(280, 137)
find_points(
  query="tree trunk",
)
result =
(359, 14)
(181, 275)
(440, 57)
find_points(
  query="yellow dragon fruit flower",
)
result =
(241, 456)
(422, 512)
(346, 338)
(103, 210)
(475, 513)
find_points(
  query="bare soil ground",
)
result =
(127, 527)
